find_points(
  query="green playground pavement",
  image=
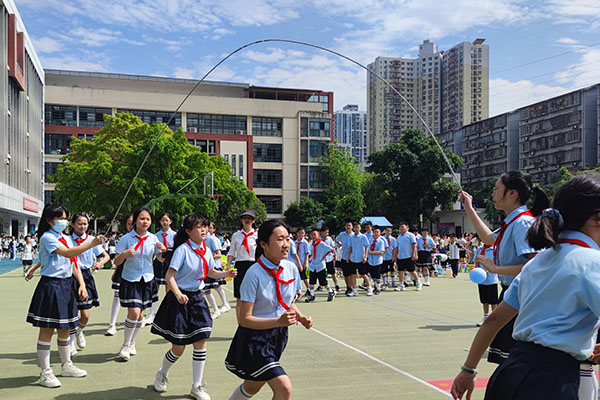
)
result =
(389, 346)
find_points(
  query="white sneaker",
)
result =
(399, 288)
(111, 331)
(132, 349)
(48, 379)
(419, 286)
(80, 337)
(482, 321)
(199, 393)
(426, 284)
(148, 320)
(216, 314)
(124, 353)
(69, 369)
(73, 349)
(370, 291)
(160, 382)
(224, 308)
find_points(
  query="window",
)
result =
(49, 170)
(315, 177)
(212, 147)
(304, 127)
(303, 177)
(267, 178)
(267, 152)
(214, 123)
(49, 196)
(262, 126)
(158, 117)
(320, 127)
(273, 203)
(57, 143)
(318, 149)
(93, 116)
(241, 163)
(60, 115)
(233, 165)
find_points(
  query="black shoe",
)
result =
(331, 295)
(337, 288)
(319, 288)
(307, 294)
(309, 299)
(376, 291)
(363, 287)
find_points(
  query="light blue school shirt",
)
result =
(292, 252)
(558, 297)
(492, 279)
(301, 250)
(358, 244)
(344, 239)
(316, 265)
(170, 237)
(190, 267)
(52, 264)
(376, 259)
(390, 245)
(405, 245)
(329, 241)
(428, 240)
(514, 248)
(87, 259)
(213, 243)
(140, 265)
(258, 287)
(369, 236)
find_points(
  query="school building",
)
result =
(273, 138)
(21, 126)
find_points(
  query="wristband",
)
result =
(468, 369)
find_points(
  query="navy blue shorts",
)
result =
(183, 324)
(321, 276)
(425, 259)
(387, 266)
(375, 271)
(406, 264)
(254, 354)
(488, 294)
(303, 275)
(116, 278)
(241, 267)
(330, 268)
(138, 294)
(361, 267)
(90, 286)
(347, 268)
(53, 304)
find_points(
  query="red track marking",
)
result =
(447, 384)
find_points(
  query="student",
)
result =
(387, 268)
(488, 289)
(453, 254)
(357, 255)
(425, 245)
(214, 245)
(303, 254)
(54, 305)
(27, 255)
(184, 317)
(267, 309)
(406, 245)
(511, 251)
(116, 283)
(343, 240)
(138, 289)
(557, 298)
(331, 257)
(87, 263)
(368, 230)
(377, 249)
(319, 250)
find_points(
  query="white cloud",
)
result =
(96, 37)
(220, 32)
(73, 63)
(567, 41)
(583, 73)
(507, 96)
(47, 45)
(585, 12)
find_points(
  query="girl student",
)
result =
(554, 332)
(116, 284)
(267, 309)
(27, 255)
(164, 236)
(138, 289)
(511, 251)
(184, 317)
(87, 263)
(214, 244)
(54, 305)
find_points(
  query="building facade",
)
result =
(350, 131)
(21, 126)
(273, 138)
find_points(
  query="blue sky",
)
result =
(538, 49)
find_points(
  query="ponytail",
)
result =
(540, 201)
(544, 231)
(189, 222)
(522, 183)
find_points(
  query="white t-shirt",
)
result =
(27, 252)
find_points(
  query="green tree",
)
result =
(304, 213)
(350, 208)
(412, 171)
(482, 198)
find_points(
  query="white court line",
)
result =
(377, 360)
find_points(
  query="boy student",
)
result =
(406, 255)
(425, 245)
(391, 251)
(454, 254)
(369, 234)
(302, 252)
(330, 258)
(377, 249)
(343, 240)
(318, 251)
(357, 255)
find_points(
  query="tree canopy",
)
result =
(304, 213)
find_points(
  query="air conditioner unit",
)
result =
(193, 129)
(239, 132)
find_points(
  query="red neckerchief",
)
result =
(501, 233)
(245, 241)
(389, 242)
(373, 244)
(484, 248)
(298, 246)
(164, 235)
(575, 241)
(315, 244)
(79, 241)
(72, 259)
(275, 276)
(201, 251)
(140, 242)
(424, 242)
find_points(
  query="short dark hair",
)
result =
(376, 227)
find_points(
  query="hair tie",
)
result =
(554, 214)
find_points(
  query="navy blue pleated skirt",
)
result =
(92, 292)
(160, 271)
(535, 372)
(53, 304)
(183, 324)
(210, 283)
(503, 341)
(254, 354)
(138, 294)
(116, 279)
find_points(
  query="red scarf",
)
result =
(245, 241)
(483, 249)
(389, 242)
(373, 244)
(315, 244)
(79, 241)
(201, 251)
(501, 233)
(141, 241)
(575, 241)
(72, 259)
(275, 276)
(164, 235)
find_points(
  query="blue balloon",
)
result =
(478, 275)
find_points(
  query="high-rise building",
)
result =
(21, 126)
(350, 131)
(447, 89)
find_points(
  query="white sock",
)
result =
(377, 284)
(168, 361)
(114, 311)
(43, 353)
(588, 386)
(485, 315)
(311, 290)
(239, 394)
(129, 329)
(72, 333)
(211, 300)
(153, 308)
(221, 293)
(329, 289)
(198, 361)
(426, 278)
(80, 328)
(64, 349)
(136, 331)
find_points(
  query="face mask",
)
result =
(60, 225)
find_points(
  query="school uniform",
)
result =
(369, 236)
(254, 354)
(329, 259)
(302, 250)
(453, 257)
(138, 287)
(292, 252)
(161, 267)
(317, 265)
(404, 243)
(344, 239)
(183, 324)
(358, 243)
(425, 260)
(54, 304)
(488, 289)
(85, 261)
(214, 244)
(388, 263)
(558, 297)
(511, 248)
(375, 260)
(243, 248)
